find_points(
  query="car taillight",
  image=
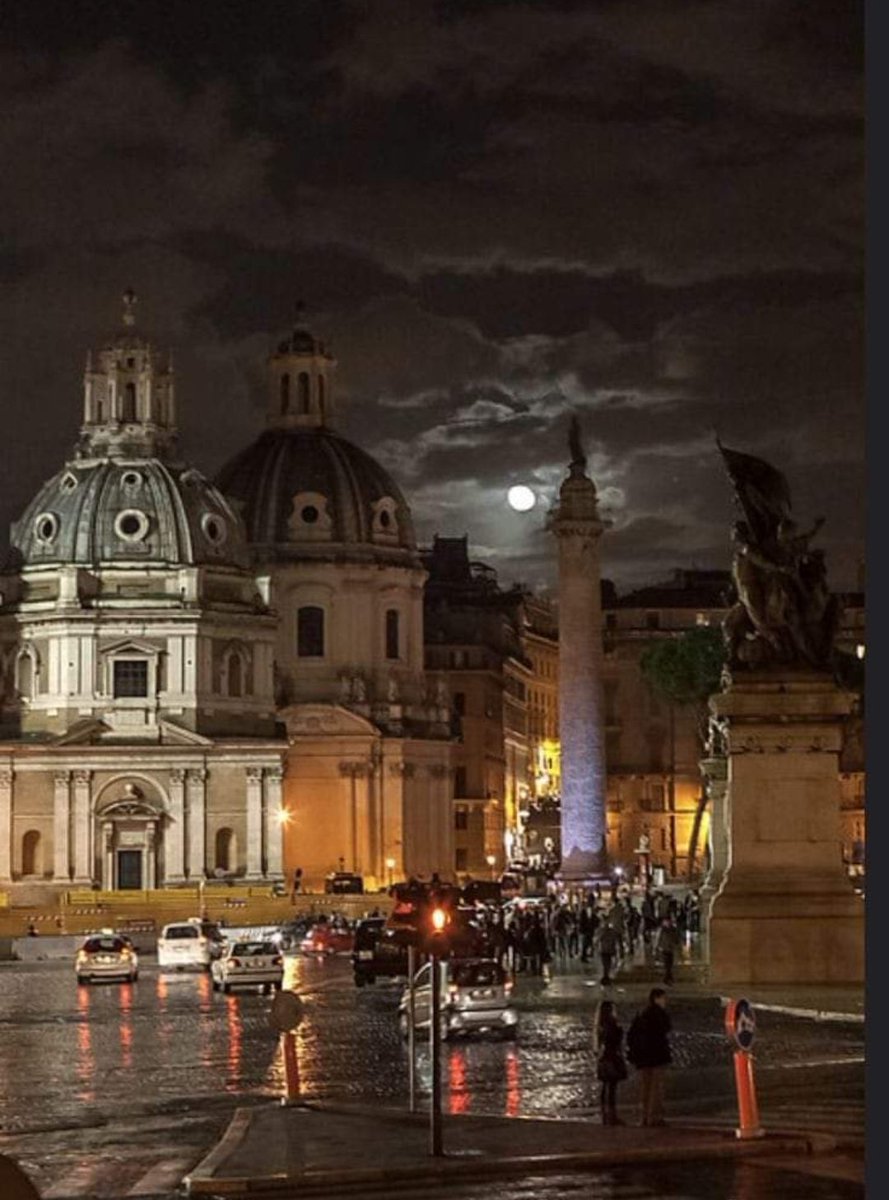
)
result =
(235, 962)
(277, 961)
(82, 956)
(507, 987)
(453, 989)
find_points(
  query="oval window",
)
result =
(131, 525)
(310, 514)
(214, 528)
(46, 527)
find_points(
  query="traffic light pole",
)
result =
(435, 1144)
(411, 1030)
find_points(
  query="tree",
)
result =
(685, 671)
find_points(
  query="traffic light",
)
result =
(437, 932)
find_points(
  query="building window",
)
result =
(392, 648)
(460, 703)
(285, 393)
(225, 844)
(461, 858)
(130, 677)
(652, 620)
(461, 819)
(129, 402)
(302, 393)
(235, 675)
(460, 781)
(310, 632)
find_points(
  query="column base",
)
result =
(584, 866)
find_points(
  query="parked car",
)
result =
(248, 964)
(325, 938)
(342, 883)
(193, 943)
(475, 997)
(106, 956)
(377, 953)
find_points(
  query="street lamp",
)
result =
(492, 862)
(390, 867)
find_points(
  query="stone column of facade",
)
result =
(174, 836)
(577, 526)
(151, 856)
(714, 772)
(5, 826)
(196, 804)
(107, 855)
(254, 822)
(83, 868)
(785, 911)
(62, 826)
(274, 830)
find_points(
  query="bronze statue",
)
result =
(785, 614)
(578, 458)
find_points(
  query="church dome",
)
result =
(305, 492)
(97, 511)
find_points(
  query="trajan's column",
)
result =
(578, 526)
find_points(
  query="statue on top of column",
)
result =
(785, 614)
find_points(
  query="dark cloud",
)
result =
(497, 213)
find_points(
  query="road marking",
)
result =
(163, 1177)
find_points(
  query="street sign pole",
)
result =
(435, 1144)
(411, 1030)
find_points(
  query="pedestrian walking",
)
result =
(611, 1068)
(668, 942)
(608, 945)
(587, 923)
(648, 1049)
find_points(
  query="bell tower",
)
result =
(128, 397)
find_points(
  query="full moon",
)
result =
(521, 498)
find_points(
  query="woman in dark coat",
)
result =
(610, 1065)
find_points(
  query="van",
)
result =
(187, 944)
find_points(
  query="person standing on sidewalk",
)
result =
(648, 1049)
(668, 942)
(608, 944)
(610, 1066)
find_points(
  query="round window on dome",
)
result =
(131, 480)
(309, 514)
(46, 528)
(69, 483)
(131, 525)
(214, 529)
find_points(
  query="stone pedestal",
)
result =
(785, 911)
(715, 775)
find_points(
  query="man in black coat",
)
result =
(648, 1049)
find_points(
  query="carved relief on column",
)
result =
(254, 822)
(196, 808)
(83, 866)
(174, 836)
(5, 826)
(274, 828)
(62, 825)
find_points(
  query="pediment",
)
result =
(172, 734)
(130, 646)
(325, 720)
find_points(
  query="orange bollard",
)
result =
(748, 1109)
(291, 1068)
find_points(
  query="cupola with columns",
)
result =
(300, 382)
(129, 402)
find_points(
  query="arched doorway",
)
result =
(32, 853)
(225, 857)
(130, 827)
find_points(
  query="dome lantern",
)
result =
(128, 402)
(300, 382)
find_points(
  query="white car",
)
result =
(248, 964)
(106, 956)
(475, 998)
(193, 943)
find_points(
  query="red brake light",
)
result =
(277, 961)
(235, 962)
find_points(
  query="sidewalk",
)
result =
(327, 1149)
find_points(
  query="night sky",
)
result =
(495, 212)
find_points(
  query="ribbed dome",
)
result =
(141, 510)
(309, 493)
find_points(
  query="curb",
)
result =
(814, 1014)
(202, 1181)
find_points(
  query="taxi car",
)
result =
(106, 956)
(475, 997)
(248, 964)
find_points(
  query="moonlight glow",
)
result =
(521, 498)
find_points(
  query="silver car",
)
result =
(475, 997)
(248, 964)
(106, 956)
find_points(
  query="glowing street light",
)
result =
(282, 816)
(390, 867)
(492, 862)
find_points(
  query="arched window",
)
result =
(26, 673)
(310, 632)
(224, 859)
(129, 402)
(302, 389)
(100, 410)
(32, 855)
(235, 675)
(392, 647)
(285, 393)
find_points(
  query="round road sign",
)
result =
(740, 1023)
(286, 1012)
